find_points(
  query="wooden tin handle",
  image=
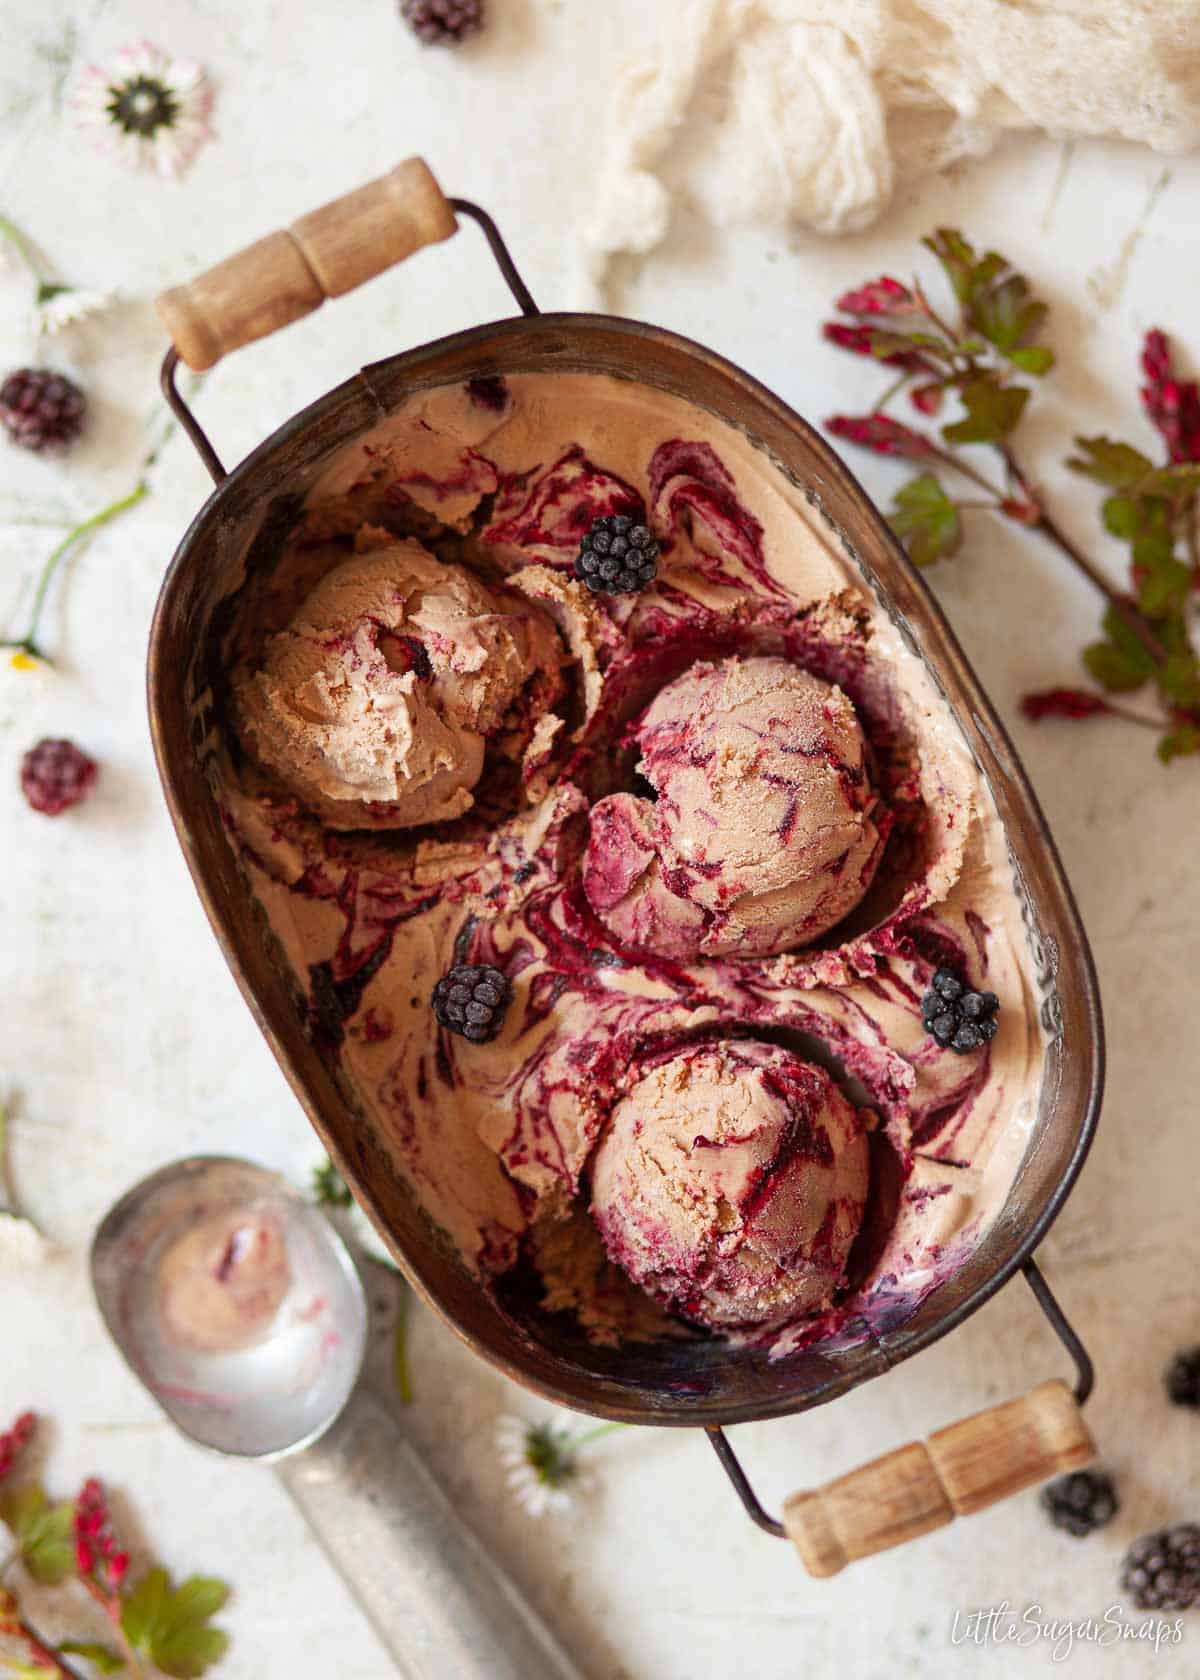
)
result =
(289, 274)
(920, 1487)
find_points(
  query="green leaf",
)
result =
(957, 258)
(1179, 743)
(143, 1607)
(1165, 587)
(1179, 678)
(1153, 550)
(44, 1533)
(1111, 669)
(1118, 465)
(992, 412)
(101, 1657)
(1006, 315)
(1128, 642)
(329, 1188)
(885, 344)
(1180, 480)
(1122, 516)
(1036, 359)
(926, 520)
(171, 1626)
(199, 1598)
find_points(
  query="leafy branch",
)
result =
(980, 359)
(157, 1628)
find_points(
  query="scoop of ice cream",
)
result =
(763, 834)
(222, 1283)
(731, 1184)
(376, 703)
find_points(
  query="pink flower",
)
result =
(146, 108)
(926, 399)
(1063, 703)
(861, 341)
(884, 296)
(1172, 404)
(880, 433)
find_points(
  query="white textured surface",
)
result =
(122, 1034)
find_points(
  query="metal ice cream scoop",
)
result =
(240, 1308)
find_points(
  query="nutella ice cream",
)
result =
(376, 703)
(761, 834)
(731, 1183)
(685, 857)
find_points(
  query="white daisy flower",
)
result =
(61, 306)
(542, 1462)
(146, 108)
(22, 1245)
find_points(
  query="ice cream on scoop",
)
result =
(222, 1283)
(765, 830)
(377, 702)
(731, 1184)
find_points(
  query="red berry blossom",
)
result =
(880, 433)
(884, 296)
(1172, 404)
(1023, 509)
(14, 1441)
(1064, 703)
(55, 775)
(861, 342)
(97, 1555)
(926, 399)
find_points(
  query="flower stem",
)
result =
(21, 245)
(595, 1434)
(1117, 600)
(111, 1605)
(13, 1623)
(893, 390)
(949, 459)
(400, 1349)
(28, 643)
(1135, 717)
(8, 1203)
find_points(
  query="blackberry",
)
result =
(959, 1019)
(41, 409)
(1183, 1378)
(55, 775)
(470, 999)
(1081, 1502)
(440, 22)
(1161, 1571)
(618, 556)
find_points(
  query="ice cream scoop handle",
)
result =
(289, 274)
(436, 1598)
(960, 1469)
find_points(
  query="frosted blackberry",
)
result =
(41, 409)
(1183, 1378)
(470, 999)
(1161, 1571)
(618, 556)
(1081, 1502)
(442, 22)
(956, 1018)
(55, 775)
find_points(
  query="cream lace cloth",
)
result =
(810, 111)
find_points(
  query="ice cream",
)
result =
(223, 1282)
(764, 832)
(377, 702)
(760, 647)
(731, 1183)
